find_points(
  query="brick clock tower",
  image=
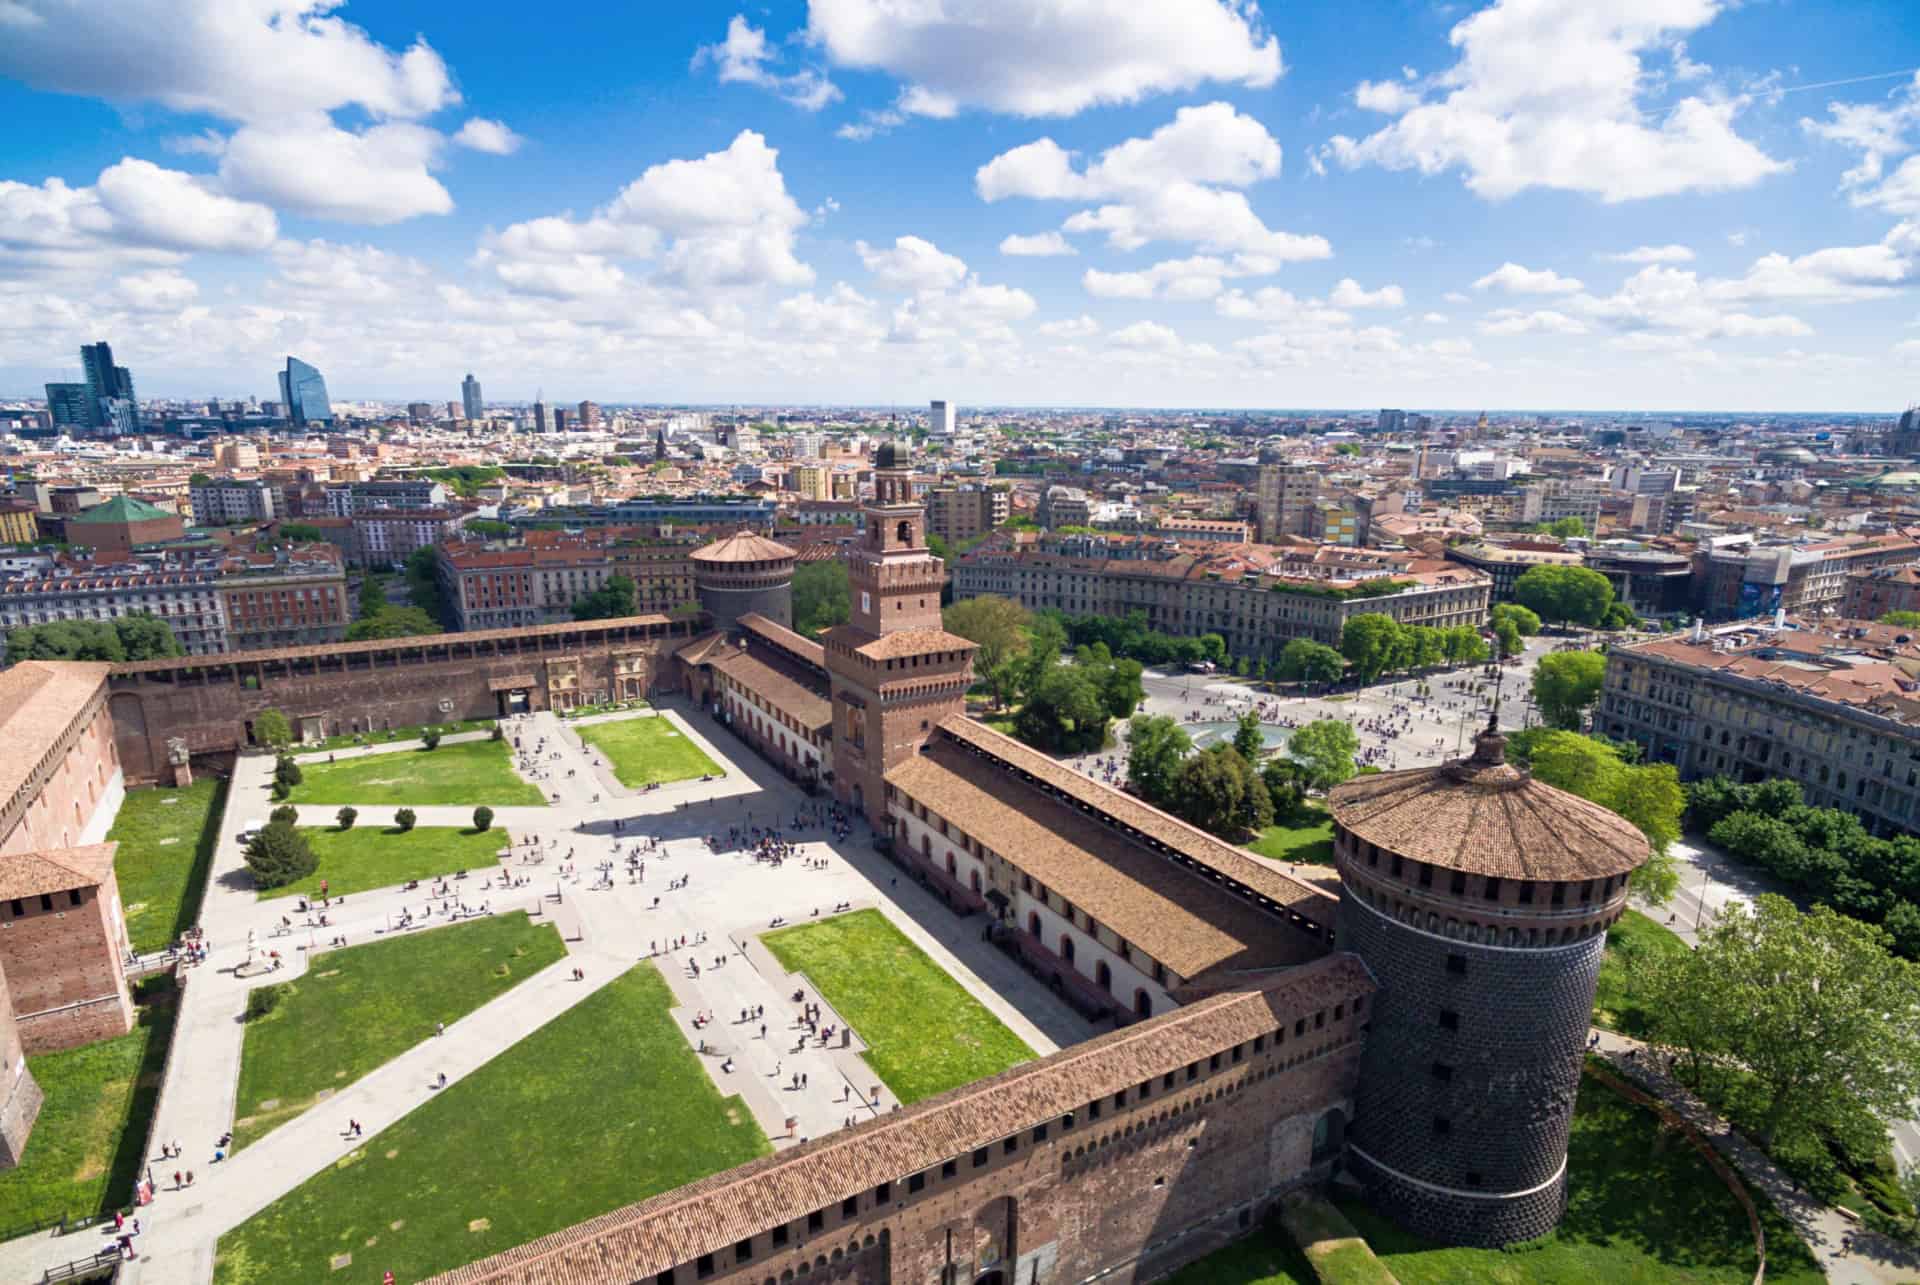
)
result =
(895, 671)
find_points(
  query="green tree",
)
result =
(1567, 528)
(1156, 746)
(145, 637)
(1812, 1006)
(404, 819)
(1304, 660)
(1213, 647)
(1508, 635)
(66, 640)
(270, 728)
(1525, 621)
(1045, 641)
(1619, 616)
(483, 818)
(1648, 796)
(1064, 714)
(431, 738)
(1565, 683)
(393, 622)
(346, 817)
(1369, 642)
(1904, 619)
(1220, 792)
(999, 627)
(617, 598)
(1248, 743)
(821, 598)
(1324, 751)
(299, 533)
(1564, 595)
(278, 855)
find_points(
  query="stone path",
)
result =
(729, 897)
(1848, 1253)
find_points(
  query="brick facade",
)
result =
(63, 953)
(20, 1095)
(58, 795)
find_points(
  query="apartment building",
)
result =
(280, 599)
(1256, 611)
(1743, 581)
(1827, 703)
(1872, 594)
(538, 582)
(1284, 498)
(387, 537)
(966, 511)
(219, 501)
(189, 601)
(1505, 563)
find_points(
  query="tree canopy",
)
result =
(393, 622)
(1324, 752)
(270, 728)
(1065, 713)
(1304, 660)
(1565, 683)
(618, 597)
(135, 637)
(821, 598)
(999, 627)
(1156, 745)
(279, 854)
(1647, 795)
(1219, 792)
(1904, 619)
(1565, 595)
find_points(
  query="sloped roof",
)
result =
(33, 874)
(1484, 816)
(121, 508)
(38, 699)
(743, 546)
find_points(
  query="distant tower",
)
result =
(470, 398)
(303, 395)
(1480, 900)
(895, 671)
(20, 1096)
(744, 574)
(539, 414)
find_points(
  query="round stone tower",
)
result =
(1480, 899)
(742, 575)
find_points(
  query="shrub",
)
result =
(279, 855)
(286, 772)
(346, 817)
(404, 819)
(431, 738)
(288, 814)
(499, 733)
(262, 1000)
(483, 819)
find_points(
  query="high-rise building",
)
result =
(1284, 500)
(304, 393)
(420, 412)
(589, 415)
(559, 419)
(470, 396)
(70, 406)
(1391, 421)
(943, 415)
(96, 359)
(539, 416)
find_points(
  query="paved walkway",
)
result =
(608, 922)
(1848, 1253)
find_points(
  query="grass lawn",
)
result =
(1267, 1257)
(603, 1106)
(924, 1033)
(648, 750)
(86, 1148)
(1614, 1005)
(370, 856)
(1637, 1211)
(471, 772)
(352, 740)
(1307, 837)
(365, 1005)
(166, 840)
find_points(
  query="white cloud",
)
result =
(1044, 57)
(1652, 254)
(1282, 308)
(1662, 298)
(1348, 294)
(1434, 318)
(166, 208)
(721, 220)
(1879, 133)
(357, 274)
(744, 58)
(912, 264)
(1548, 93)
(491, 136)
(1172, 185)
(1514, 279)
(1038, 245)
(1455, 296)
(1389, 96)
(1514, 321)
(158, 290)
(1199, 277)
(311, 166)
(1833, 275)
(1079, 327)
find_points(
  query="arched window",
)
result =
(1033, 923)
(1066, 947)
(904, 532)
(1103, 975)
(976, 882)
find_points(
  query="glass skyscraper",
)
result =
(304, 394)
(470, 397)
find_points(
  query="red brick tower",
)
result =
(895, 671)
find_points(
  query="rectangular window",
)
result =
(1039, 1133)
(1010, 1146)
(18, 908)
(743, 1252)
(883, 1193)
(916, 1183)
(1559, 894)
(46, 901)
(1426, 875)
(74, 896)
(1449, 1020)
(703, 1268)
(1459, 886)
(780, 1233)
(979, 1157)
(1526, 893)
(1457, 965)
(1493, 889)
(1442, 1072)
(1093, 1109)
(850, 1207)
(949, 1168)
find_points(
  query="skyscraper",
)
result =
(539, 416)
(470, 396)
(68, 405)
(304, 394)
(589, 414)
(105, 383)
(943, 415)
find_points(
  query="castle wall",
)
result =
(20, 1095)
(62, 955)
(80, 775)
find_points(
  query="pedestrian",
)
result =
(439, 1028)
(177, 1184)
(189, 1177)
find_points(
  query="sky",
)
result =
(1583, 204)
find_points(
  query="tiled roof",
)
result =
(583, 629)
(1484, 816)
(743, 546)
(38, 699)
(676, 1227)
(781, 636)
(33, 874)
(905, 642)
(1233, 864)
(783, 691)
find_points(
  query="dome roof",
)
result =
(1484, 816)
(887, 456)
(744, 546)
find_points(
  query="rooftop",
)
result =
(121, 508)
(744, 546)
(1482, 815)
(35, 874)
(38, 700)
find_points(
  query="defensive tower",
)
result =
(1480, 900)
(744, 574)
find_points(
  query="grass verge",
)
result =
(648, 751)
(1306, 837)
(603, 1106)
(468, 773)
(358, 1008)
(925, 1034)
(166, 840)
(375, 857)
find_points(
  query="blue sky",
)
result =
(1634, 204)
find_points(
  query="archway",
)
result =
(997, 1276)
(1066, 947)
(1103, 975)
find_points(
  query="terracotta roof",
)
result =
(743, 546)
(781, 636)
(903, 642)
(1484, 816)
(32, 874)
(676, 1227)
(583, 628)
(701, 649)
(786, 693)
(38, 699)
(1234, 864)
(1174, 914)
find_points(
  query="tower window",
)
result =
(1457, 965)
(1442, 1072)
(1449, 1020)
(1442, 1125)
(1459, 885)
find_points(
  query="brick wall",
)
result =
(20, 1096)
(63, 963)
(83, 777)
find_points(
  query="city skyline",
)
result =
(1192, 204)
